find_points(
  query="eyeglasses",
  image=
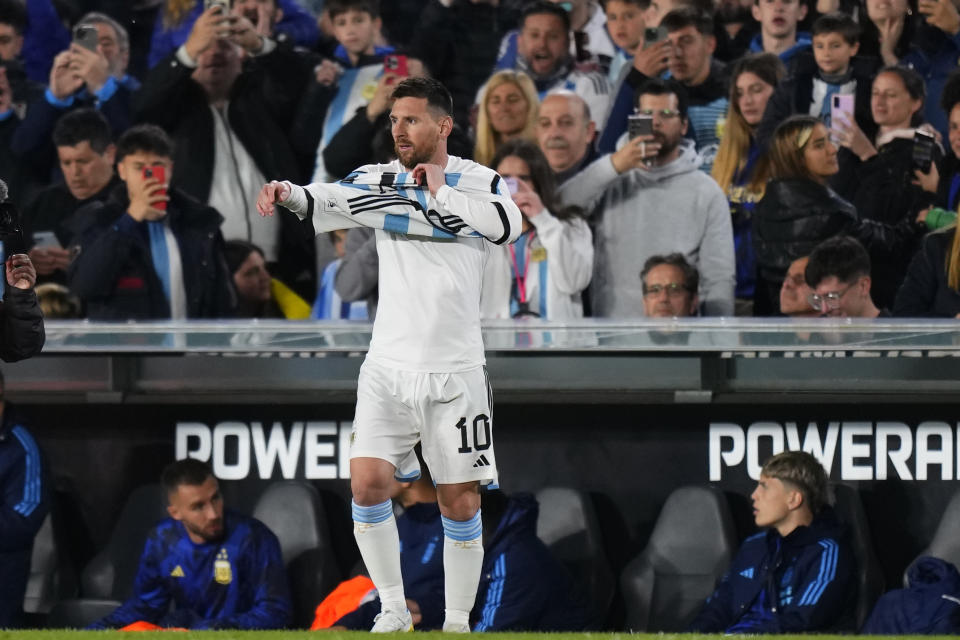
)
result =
(831, 299)
(673, 289)
(666, 114)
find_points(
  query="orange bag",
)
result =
(345, 598)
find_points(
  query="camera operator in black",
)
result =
(21, 321)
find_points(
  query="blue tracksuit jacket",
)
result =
(930, 605)
(801, 582)
(236, 583)
(23, 508)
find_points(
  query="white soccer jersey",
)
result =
(432, 255)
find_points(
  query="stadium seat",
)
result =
(52, 578)
(870, 583)
(691, 546)
(108, 579)
(567, 524)
(946, 543)
(293, 511)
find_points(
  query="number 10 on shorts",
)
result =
(481, 425)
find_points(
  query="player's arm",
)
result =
(493, 215)
(151, 597)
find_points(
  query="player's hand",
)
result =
(636, 153)
(91, 66)
(64, 78)
(942, 14)
(527, 200)
(432, 174)
(653, 60)
(272, 193)
(20, 271)
(211, 25)
(144, 198)
(46, 260)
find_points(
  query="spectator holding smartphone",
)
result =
(543, 273)
(150, 251)
(175, 20)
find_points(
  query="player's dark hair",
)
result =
(336, 7)
(83, 125)
(658, 87)
(437, 96)
(691, 277)
(643, 5)
(189, 471)
(13, 13)
(540, 7)
(842, 257)
(688, 17)
(148, 138)
(837, 22)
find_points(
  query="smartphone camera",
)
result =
(86, 36)
(923, 148)
(639, 125)
(653, 35)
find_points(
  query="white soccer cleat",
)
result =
(453, 627)
(392, 622)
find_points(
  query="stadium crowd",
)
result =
(737, 135)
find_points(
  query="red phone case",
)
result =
(160, 173)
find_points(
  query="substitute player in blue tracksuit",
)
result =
(220, 570)
(796, 576)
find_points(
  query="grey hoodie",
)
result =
(642, 213)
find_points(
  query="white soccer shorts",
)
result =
(450, 413)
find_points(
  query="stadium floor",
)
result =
(53, 634)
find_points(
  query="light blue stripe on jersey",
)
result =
(494, 594)
(828, 571)
(463, 531)
(452, 179)
(543, 287)
(32, 473)
(339, 105)
(396, 223)
(372, 515)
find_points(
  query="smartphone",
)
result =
(511, 183)
(160, 173)
(86, 36)
(841, 105)
(639, 125)
(396, 64)
(653, 35)
(923, 148)
(223, 4)
(45, 240)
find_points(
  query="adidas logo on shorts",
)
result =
(481, 462)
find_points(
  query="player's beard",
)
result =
(667, 144)
(417, 154)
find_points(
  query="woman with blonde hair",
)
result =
(508, 110)
(740, 168)
(799, 210)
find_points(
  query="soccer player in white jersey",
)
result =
(424, 377)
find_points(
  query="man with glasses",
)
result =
(649, 198)
(838, 272)
(670, 286)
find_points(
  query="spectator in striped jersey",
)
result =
(798, 574)
(706, 79)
